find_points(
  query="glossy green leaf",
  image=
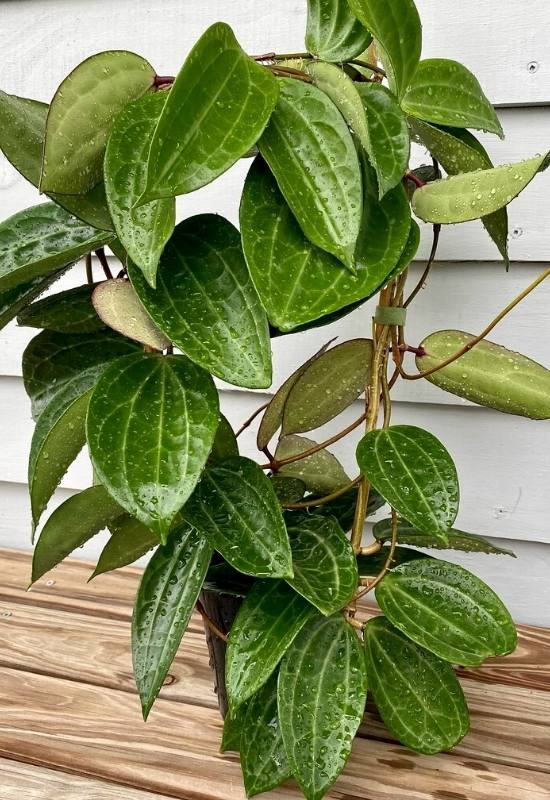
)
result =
(39, 240)
(288, 490)
(489, 375)
(327, 386)
(310, 151)
(130, 540)
(333, 33)
(417, 694)
(447, 93)
(150, 427)
(70, 311)
(325, 567)
(81, 116)
(225, 444)
(397, 30)
(409, 252)
(235, 507)
(414, 472)
(456, 540)
(216, 111)
(145, 230)
(269, 619)
(14, 300)
(206, 304)
(232, 727)
(321, 472)
(337, 84)
(118, 306)
(54, 359)
(70, 526)
(165, 601)
(322, 693)
(447, 610)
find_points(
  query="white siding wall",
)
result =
(504, 462)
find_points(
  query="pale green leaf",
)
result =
(118, 306)
(288, 490)
(333, 33)
(456, 540)
(70, 311)
(321, 472)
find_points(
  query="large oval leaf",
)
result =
(70, 311)
(14, 300)
(270, 617)
(216, 111)
(165, 601)
(321, 472)
(396, 27)
(236, 508)
(118, 306)
(417, 694)
(322, 693)
(416, 475)
(445, 92)
(310, 151)
(150, 427)
(130, 540)
(225, 443)
(145, 230)
(333, 33)
(206, 304)
(38, 241)
(447, 610)
(456, 540)
(81, 116)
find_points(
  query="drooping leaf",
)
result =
(232, 727)
(225, 444)
(150, 427)
(216, 111)
(447, 610)
(321, 472)
(337, 84)
(81, 116)
(414, 472)
(145, 230)
(310, 151)
(269, 619)
(322, 692)
(325, 567)
(206, 304)
(118, 306)
(70, 526)
(371, 566)
(288, 490)
(333, 33)
(397, 30)
(489, 375)
(456, 540)
(263, 758)
(447, 93)
(417, 694)
(53, 359)
(13, 301)
(38, 241)
(327, 386)
(70, 311)
(130, 540)
(165, 601)
(235, 507)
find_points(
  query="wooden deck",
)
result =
(70, 725)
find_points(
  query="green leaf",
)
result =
(288, 490)
(417, 694)
(416, 475)
(118, 306)
(232, 726)
(39, 240)
(269, 619)
(216, 111)
(81, 116)
(165, 601)
(53, 359)
(22, 131)
(235, 507)
(13, 301)
(333, 33)
(225, 443)
(321, 472)
(327, 386)
(397, 30)
(263, 758)
(458, 151)
(150, 427)
(70, 526)
(206, 304)
(447, 610)
(325, 567)
(409, 252)
(145, 230)
(70, 311)
(322, 693)
(489, 375)
(447, 93)
(456, 540)
(310, 151)
(130, 540)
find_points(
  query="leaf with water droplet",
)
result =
(333, 33)
(130, 540)
(70, 311)
(321, 472)
(14, 301)
(118, 306)
(225, 443)
(456, 540)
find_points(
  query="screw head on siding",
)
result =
(517, 232)
(533, 66)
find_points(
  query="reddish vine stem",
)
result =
(163, 80)
(289, 72)
(321, 501)
(89, 268)
(102, 258)
(415, 179)
(248, 422)
(213, 627)
(427, 270)
(370, 584)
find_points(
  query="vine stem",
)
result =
(89, 268)
(321, 501)
(370, 584)
(102, 258)
(367, 65)
(213, 627)
(289, 72)
(248, 422)
(425, 274)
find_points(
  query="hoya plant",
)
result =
(272, 551)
